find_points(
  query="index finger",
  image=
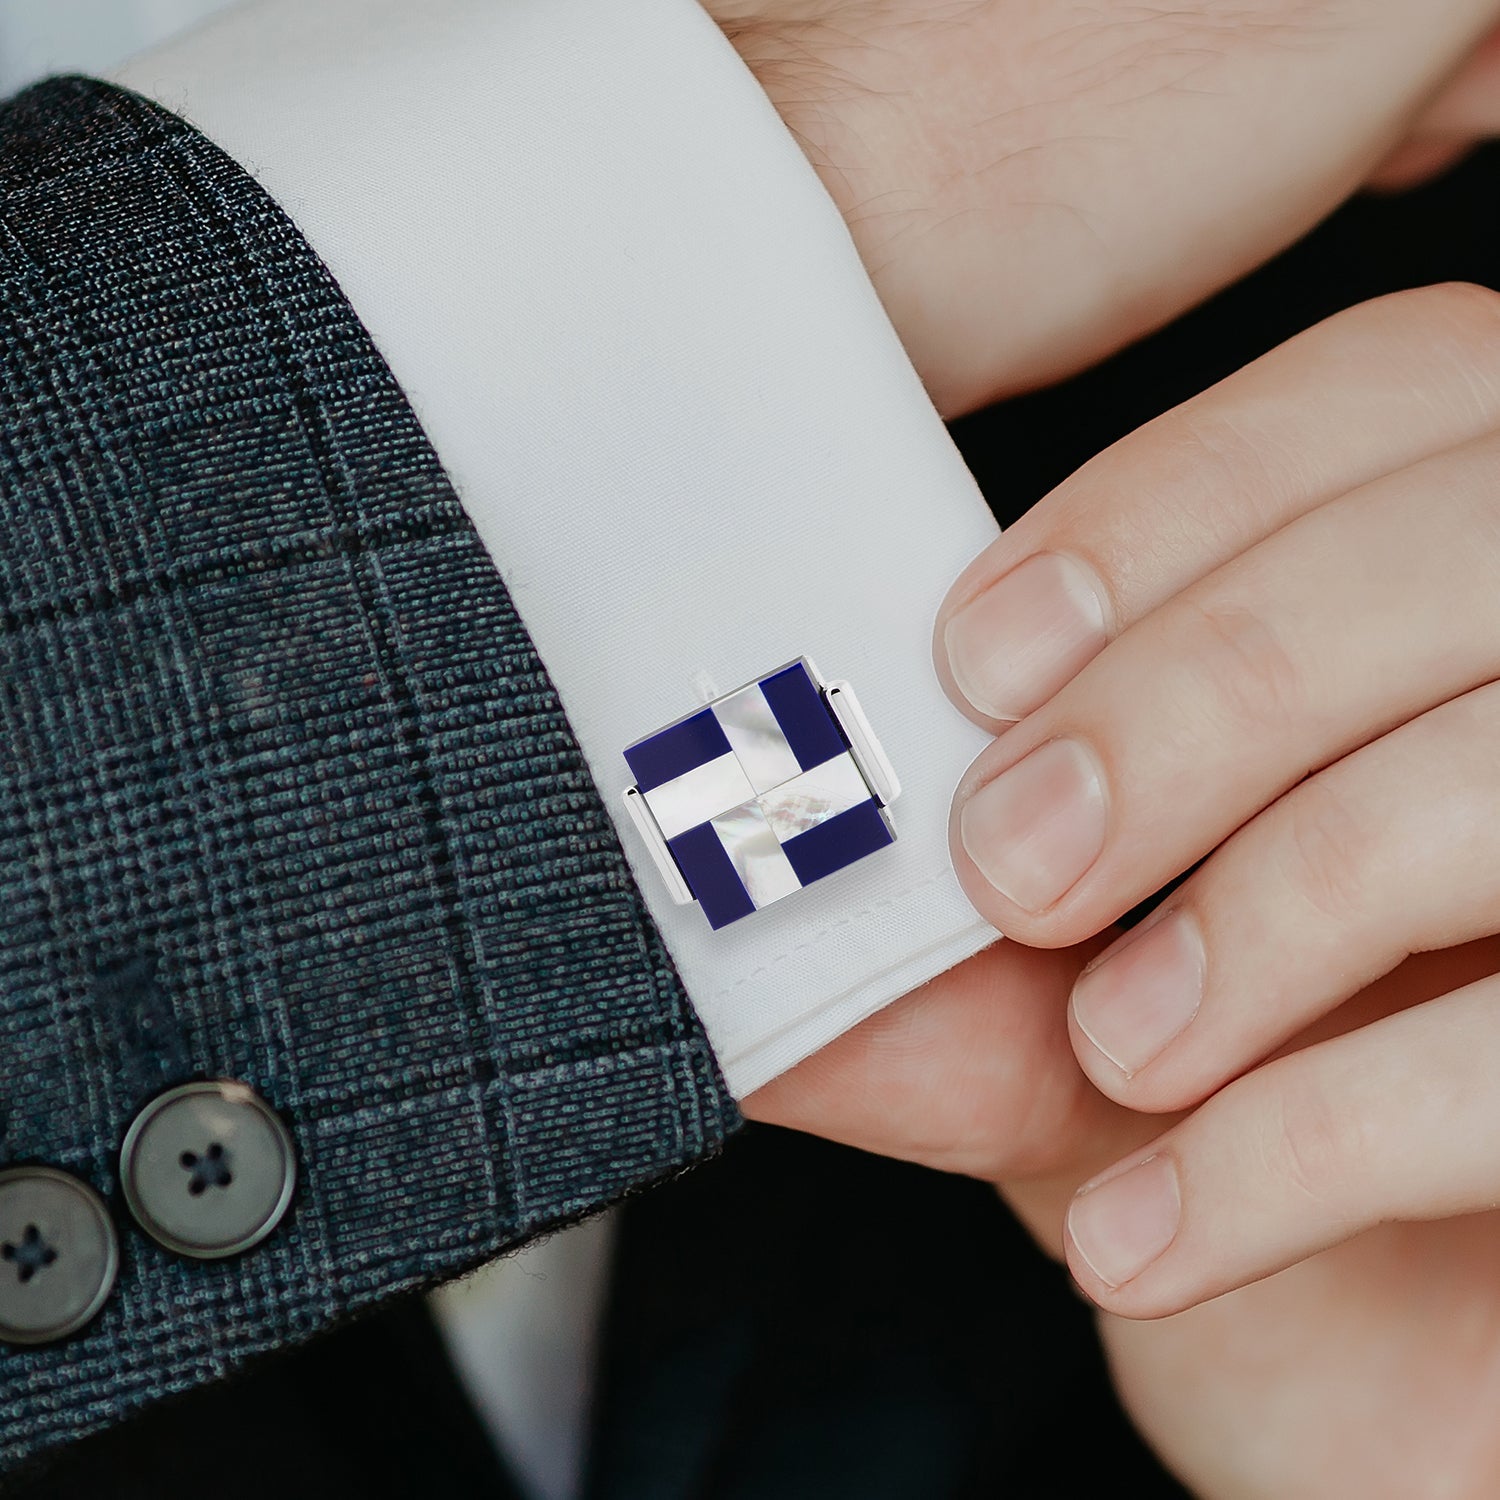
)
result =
(1369, 391)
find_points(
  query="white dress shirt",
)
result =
(638, 335)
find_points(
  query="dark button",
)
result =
(208, 1169)
(58, 1254)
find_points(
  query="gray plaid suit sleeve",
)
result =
(285, 793)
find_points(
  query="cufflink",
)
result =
(761, 792)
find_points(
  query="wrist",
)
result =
(857, 125)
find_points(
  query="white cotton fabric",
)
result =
(523, 1334)
(38, 37)
(636, 332)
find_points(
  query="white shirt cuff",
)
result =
(640, 340)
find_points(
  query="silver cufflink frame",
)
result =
(760, 791)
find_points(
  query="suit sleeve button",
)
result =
(58, 1254)
(208, 1169)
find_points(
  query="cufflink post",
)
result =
(656, 847)
(874, 765)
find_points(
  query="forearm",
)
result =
(1033, 186)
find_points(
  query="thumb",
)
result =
(972, 1073)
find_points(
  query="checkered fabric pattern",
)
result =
(757, 795)
(286, 795)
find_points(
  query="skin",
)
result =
(1327, 512)
(1329, 1110)
(1031, 184)
(1296, 690)
(1274, 1390)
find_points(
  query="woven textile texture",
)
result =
(285, 793)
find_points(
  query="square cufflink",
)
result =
(761, 792)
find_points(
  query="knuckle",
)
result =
(1257, 474)
(1311, 1142)
(1466, 316)
(1437, 345)
(1328, 851)
(1472, 308)
(1243, 672)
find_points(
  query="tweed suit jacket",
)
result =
(285, 793)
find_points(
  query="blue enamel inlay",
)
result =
(813, 738)
(838, 842)
(804, 717)
(711, 875)
(664, 756)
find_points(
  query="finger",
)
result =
(1342, 625)
(1469, 104)
(1419, 160)
(1466, 112)
(1370, 391)
(1397, 1121)
(1392, 851)
(972, 1073)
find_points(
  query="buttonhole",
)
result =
(206, 1171)
(30, 1255)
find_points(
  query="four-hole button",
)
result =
(58, 1254)
(208, 1169)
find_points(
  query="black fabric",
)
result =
(285, 793)
(372, 1411)
(805, 1322)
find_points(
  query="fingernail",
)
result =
(1121, 1224)
(1140, 995)
(1011, 648)
(1034, 831)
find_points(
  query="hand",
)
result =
(1464, 114)
(1263, 633)
(1272, 1392)
(1274, 640)
(1033, 183)
(1262, 630)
